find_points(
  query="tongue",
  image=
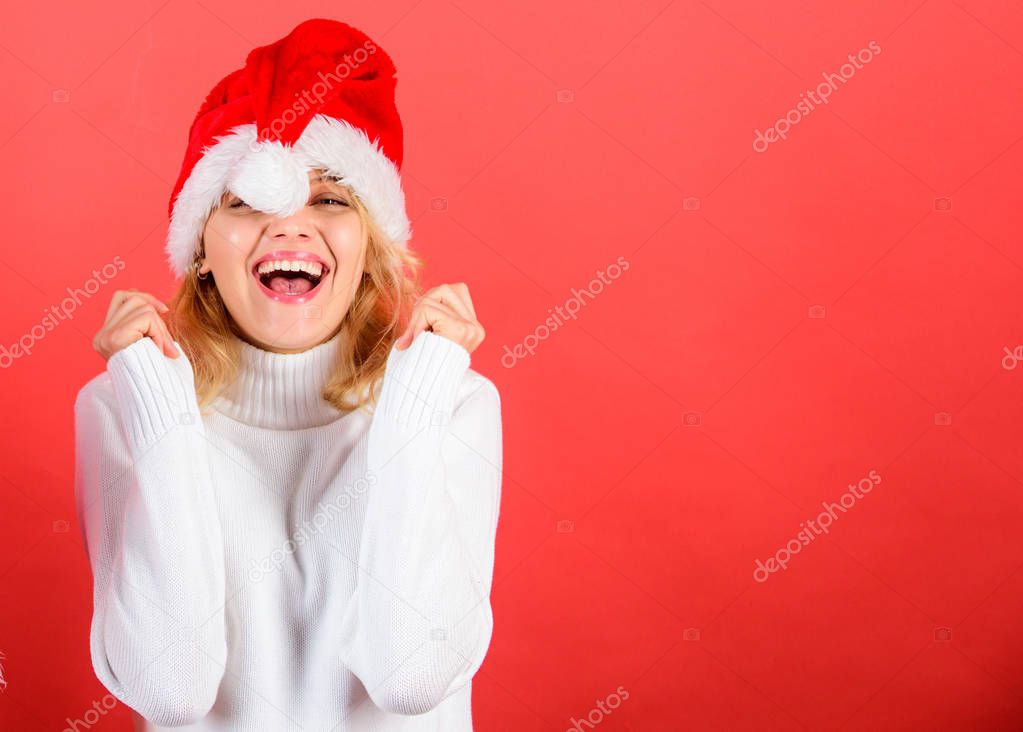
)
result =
(289, 286)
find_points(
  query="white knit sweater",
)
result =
(278, 565)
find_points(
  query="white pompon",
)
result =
(273, 177)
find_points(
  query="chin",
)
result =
(292, 336)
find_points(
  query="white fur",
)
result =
(270, 178)
(273, 177)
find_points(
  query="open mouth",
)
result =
(290, 276)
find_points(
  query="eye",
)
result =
(238, 203)
(334, 201)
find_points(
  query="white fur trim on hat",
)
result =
(273, 177)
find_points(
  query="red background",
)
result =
(525, 195)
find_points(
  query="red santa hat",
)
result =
(321, 97)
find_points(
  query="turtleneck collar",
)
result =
(282, 390)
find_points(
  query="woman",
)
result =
(288, 480)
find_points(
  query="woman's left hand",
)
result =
(447, 311)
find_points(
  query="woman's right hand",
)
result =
(133, 315)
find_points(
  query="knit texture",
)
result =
(279, 564)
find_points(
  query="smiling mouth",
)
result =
(290, 277)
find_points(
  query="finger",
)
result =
(425, 314)
(429, 314)
(462, 291)
(450, 296)
(402, 340)
(118, 302)
(126, 298)
(115, 303)
(407, 336)
(159, 304)
(167, 340)
(438, 305)
(172, 349)
(141, 320)
(467, 330)
(119, 299)
(145, 321)
(412, 329)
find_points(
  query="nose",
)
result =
(296, 227)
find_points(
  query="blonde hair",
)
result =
(200, 322)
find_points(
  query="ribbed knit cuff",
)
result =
(155, 393)
(421, 383)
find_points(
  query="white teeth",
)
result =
(313, 268)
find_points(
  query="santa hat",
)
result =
(321, 97)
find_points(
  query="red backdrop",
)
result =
(796, 292)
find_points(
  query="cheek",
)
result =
(228, 241)
(227, 259)
(345, 241)
(233, 228)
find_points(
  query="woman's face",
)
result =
(279, 305)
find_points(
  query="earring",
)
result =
(196, 265)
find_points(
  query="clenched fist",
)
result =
(447, 310)
(134, 315)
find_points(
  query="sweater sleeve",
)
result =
(420, 621)
(146, 509)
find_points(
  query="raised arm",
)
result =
(420, 622)
(145, 505)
